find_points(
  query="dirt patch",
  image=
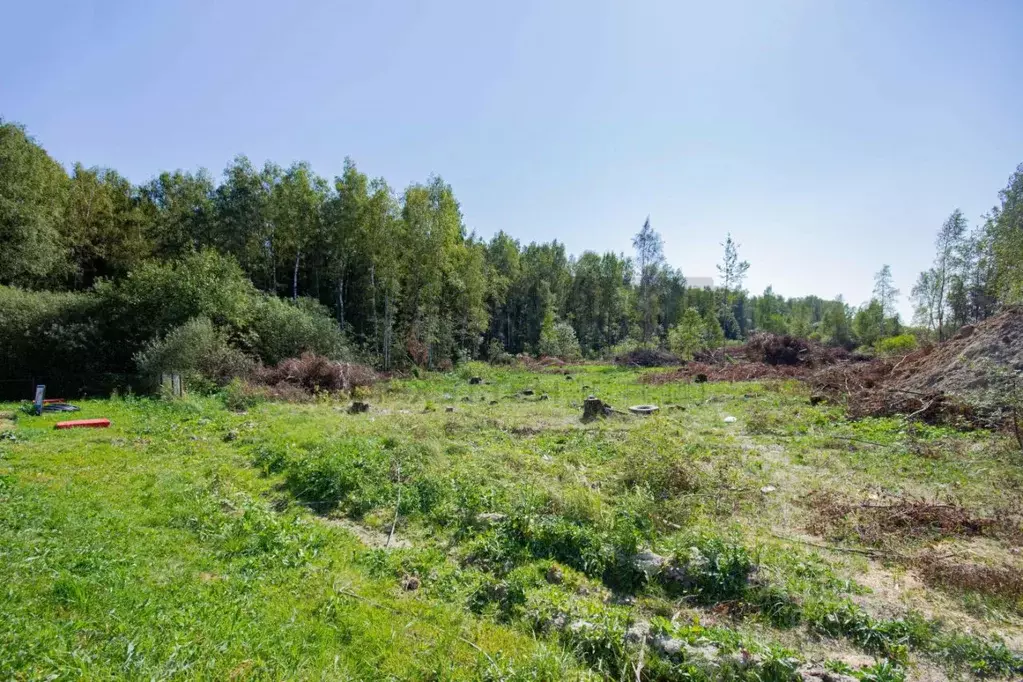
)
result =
(878, 523)
(368, 536)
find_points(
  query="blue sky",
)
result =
(829, 137)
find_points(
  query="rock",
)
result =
(231, 435)
(667, 646)
(648, 563)
(492, 402)
(555, 576)
(730, 420)
(818, 673)
(410, 583)
(586, 388)
(358, 407)
(768, 489)
(475, 381)
(490, 518)
(579, 625)
(559, 621)
(637, 633)
(447, 396)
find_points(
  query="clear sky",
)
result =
(829, 137)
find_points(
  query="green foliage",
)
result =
(32, 190)
(897, 345)
(687, 336)
(197, 350)
(713, 334)
(557, 339)
(281, 329)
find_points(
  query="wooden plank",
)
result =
(83, 424)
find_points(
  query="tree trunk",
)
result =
(294, 277)
(341, 301)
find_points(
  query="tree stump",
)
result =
(473, 381)
(594, 408)
(358, 407)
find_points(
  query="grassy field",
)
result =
(191, 541)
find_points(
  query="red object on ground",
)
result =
(84, 424)
(51, 401)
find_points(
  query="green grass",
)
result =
(191, 541)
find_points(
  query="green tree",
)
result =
(887, 295)
(688, 336)
(713, 334)
(649, 256)
(32, 191)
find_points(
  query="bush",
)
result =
(558, 340)
(50, 338)
(158, 297)
(687, 336)
(897, 345)
(281, 329)
(197, 350)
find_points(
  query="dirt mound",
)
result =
(970, 364)
(963, 380)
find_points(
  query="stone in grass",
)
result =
(358, 407)
(730, 420)
(648, 563)
(637, 633)
(816, 673)
(490, 518)
(410, 583)
(449, 409)
(768, 489)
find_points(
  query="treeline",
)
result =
(403, 279)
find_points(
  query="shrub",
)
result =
(158, 297)
(281, 329)
(197, 350)
(687, 336)
(240, 395)
(897, 345)
(52, 338)
(558, 340)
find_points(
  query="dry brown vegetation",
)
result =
(881, 523)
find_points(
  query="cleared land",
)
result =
(195, 542)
